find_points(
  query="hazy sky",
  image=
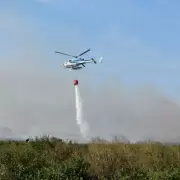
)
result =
(130, 93)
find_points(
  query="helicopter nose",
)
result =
(64, 65)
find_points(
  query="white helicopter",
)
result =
(77, 61)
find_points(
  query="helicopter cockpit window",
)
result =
(70, 61)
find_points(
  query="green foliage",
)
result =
(75, 169)
(53, 159)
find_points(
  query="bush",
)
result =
(51, 158)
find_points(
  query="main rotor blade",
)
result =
(65, 54)
(83, 52)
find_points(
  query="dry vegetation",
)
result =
(48, 159)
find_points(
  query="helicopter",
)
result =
(77, 62)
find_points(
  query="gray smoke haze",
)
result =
(43, 103)
(34, 100)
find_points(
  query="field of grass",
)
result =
(50, 158)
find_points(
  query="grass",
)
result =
(51, 158)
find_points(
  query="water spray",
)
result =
(83, 125)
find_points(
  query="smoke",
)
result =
(36, 93)
(35, 102)
(137, 114)
(79, 113)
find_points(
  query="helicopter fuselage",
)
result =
(76, 63)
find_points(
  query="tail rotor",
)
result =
(94, 60)
(100, 60)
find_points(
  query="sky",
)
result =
(139, 41)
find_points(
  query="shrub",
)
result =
(51, 158)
